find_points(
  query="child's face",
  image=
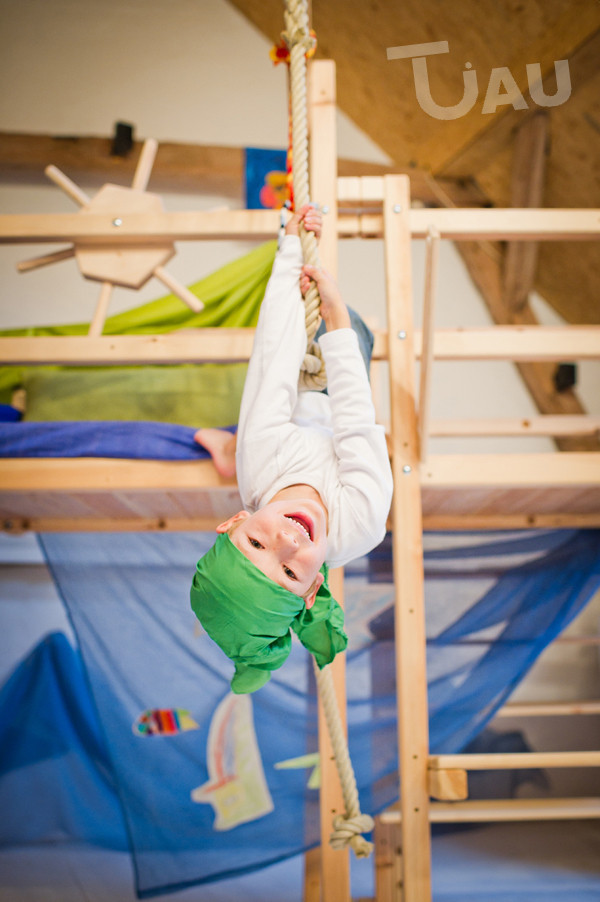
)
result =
(286, 540)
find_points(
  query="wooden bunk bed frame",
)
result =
(473, 491)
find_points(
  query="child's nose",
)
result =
(287, 536)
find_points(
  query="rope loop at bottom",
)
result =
(347, 831)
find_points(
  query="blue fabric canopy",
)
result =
(213, 784)
(111, 438)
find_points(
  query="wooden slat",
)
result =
(432, 249)
(517, 426)
(104, 475)
(413, 739)
(478, 521)
(230, 345)
(96, 229)
(515, 470)
(549, 709)
(488, 810)
(529, 158)
(510, 760)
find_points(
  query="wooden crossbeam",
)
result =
(526, 470)
(529, 158)
(148, 229)
(489, 810)
(202, 169)
(510, 760)
(517, 426)
(231, 345)
(549, 709)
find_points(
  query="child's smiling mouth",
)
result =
(303, 522)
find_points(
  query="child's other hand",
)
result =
(310, 218)
(333, 309)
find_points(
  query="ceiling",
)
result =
(379, 95)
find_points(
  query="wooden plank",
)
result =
(549, 709)
(478, 521)
(13, 518)
(413, 728)
(488, 810)
(197, 346)
(510, 760)
(529, 158)
(547, 425)
(516, 470)
(515, 343)
(16, 525)
(105, 475)
(135, 229)
(427, 340)
(96, 229)
(388, 862)
(197, 168)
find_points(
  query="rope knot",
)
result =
(347, 831)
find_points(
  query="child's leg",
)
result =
(221, 446)
(363, 333)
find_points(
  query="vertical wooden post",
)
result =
(335, 865)
(407, 545)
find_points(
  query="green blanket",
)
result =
(207, 395)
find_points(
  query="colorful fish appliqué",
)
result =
(163, 722)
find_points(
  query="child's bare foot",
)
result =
(221, 446)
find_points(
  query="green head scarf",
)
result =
(249, 616)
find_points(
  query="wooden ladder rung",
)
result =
(474, 810)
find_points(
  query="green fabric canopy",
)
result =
(207, 395)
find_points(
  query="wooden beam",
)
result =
(517, 426)
(525, 470)
(510, 760)
(427, 339)
(549, 709)
(529, 159)
(95, 229)
(234, 345)
(494, 522)
(388, 862)
(105, 475)
(413, 730)
(197, 168)
(489, 810)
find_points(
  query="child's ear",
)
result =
(237, 518)
(309, 599)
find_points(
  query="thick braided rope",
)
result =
(347, 829)
(299, 41)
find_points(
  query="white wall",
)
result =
(196, 71)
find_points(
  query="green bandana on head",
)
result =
(249, 616)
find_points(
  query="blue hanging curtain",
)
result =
(212, 784)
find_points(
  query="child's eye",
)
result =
(289, 573)
(255, 543)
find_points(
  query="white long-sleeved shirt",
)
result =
(330, 442)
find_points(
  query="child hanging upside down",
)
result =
(314, 476)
